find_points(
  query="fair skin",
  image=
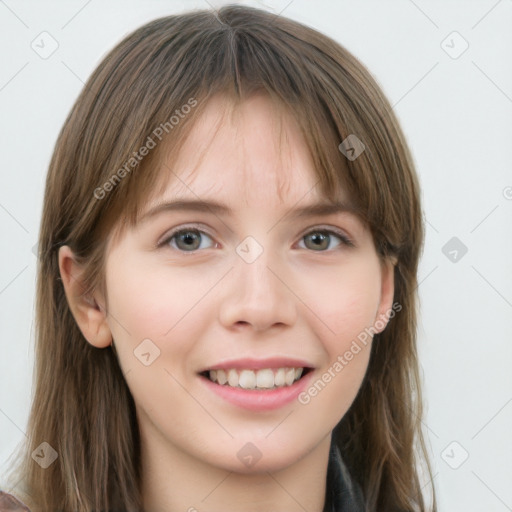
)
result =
(208, 305)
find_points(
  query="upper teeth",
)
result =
(263, 379)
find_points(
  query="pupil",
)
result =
(319, 240)
(189, 238)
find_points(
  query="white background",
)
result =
(456, 114)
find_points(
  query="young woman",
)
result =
(226, 300)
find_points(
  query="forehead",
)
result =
(248, 156)
(252, 152)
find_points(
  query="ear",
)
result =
(387, 293)
(89, 311)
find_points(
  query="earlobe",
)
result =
(88, 311)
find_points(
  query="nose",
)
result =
(258, 295)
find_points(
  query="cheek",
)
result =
(161, 305)
(345, 304)
(344, 300)
(150, 303)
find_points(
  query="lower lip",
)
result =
(260, 400)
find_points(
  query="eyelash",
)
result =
(345, 240)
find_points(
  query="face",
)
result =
(248, 286)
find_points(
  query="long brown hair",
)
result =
(82, 406)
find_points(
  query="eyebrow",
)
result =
(210, 206)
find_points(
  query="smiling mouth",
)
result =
(267, 378)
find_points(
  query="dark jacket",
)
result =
(342, 493)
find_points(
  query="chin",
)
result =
(259, 456)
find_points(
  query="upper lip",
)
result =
(258, 364)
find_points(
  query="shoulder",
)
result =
(9, 503)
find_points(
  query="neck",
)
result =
(174, 481)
